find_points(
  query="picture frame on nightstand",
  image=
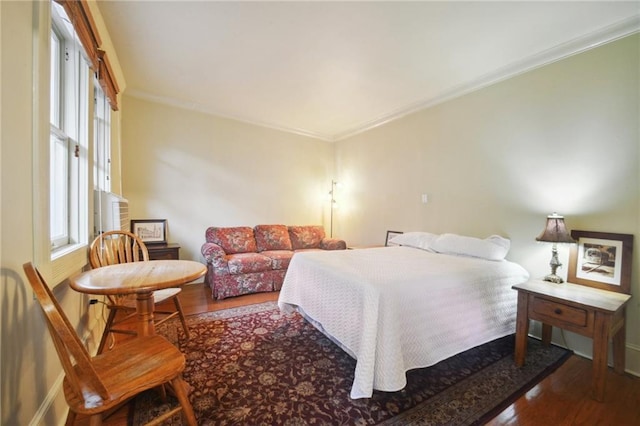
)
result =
(150, 231)
(390, 235)
(601, 260)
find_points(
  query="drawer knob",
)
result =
(558, 311)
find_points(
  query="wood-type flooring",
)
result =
(561, 399)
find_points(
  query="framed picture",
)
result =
(601, 260)
(150, 231)
(390, 235)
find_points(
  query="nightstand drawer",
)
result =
(565, 313)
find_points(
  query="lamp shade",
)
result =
(555, 231)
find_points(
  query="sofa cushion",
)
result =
(306, 237)
(272, 237)
(245, 263)
(233, 240)
(280, 259)
(333, 244)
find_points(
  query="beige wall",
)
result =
(560, 138)
(29, 365)
(31, 375)
(196, 171)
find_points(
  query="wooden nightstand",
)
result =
(163, 251)
(598, 314)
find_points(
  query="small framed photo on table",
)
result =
(150, 231)
(390, 235)
(601, 260)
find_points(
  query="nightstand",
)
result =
(163, 251)
(595, 313)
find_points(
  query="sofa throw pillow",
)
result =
(272, 237)
(233, 240)
(306, 237)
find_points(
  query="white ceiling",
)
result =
(333, 69)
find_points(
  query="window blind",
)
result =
(82, 21)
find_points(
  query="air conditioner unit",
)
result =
(111, 212)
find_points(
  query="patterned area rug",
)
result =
(256, 366)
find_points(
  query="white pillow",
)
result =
(494, 247)
(421, 240)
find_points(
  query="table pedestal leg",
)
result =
(144, 308)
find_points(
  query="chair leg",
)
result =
(179, 387)
(107, 327)
(176, 301)
(95, 420)
(71, 418)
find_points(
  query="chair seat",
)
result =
(138, 365)
(159, 296)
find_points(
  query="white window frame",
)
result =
(70, 127)
(102, 140)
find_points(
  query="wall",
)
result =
(560, 138)
(31, 375)
(29, 364)
(196, 171)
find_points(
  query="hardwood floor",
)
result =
(561, 399)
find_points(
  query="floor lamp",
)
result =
(332, 194)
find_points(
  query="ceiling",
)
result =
(333, 69)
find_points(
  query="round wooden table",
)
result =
(141, 278)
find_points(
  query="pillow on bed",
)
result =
(420, 240)
(494, 247)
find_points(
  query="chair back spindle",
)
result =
(113, 247)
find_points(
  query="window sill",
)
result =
(66, 261)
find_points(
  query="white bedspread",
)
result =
(398, 308)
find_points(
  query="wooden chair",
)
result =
(97, 386)
(114, 247)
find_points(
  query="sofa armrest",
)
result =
(214, 255)
(333, 244)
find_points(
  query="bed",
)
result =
(394, 309)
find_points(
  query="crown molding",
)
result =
(173, 102)
(565, 50)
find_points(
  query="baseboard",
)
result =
(632, 364)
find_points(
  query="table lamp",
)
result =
(555, 232)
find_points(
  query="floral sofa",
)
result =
(242, 260)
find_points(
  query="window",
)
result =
(68, 135)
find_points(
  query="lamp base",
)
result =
(553, 278)
(555, 264)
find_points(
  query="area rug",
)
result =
(256, 366)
